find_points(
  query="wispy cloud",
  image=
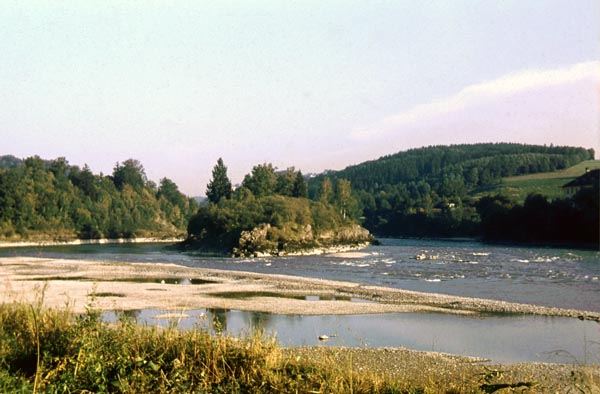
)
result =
(497, 89)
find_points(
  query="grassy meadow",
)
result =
(548, 183)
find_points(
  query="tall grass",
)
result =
(53, 351)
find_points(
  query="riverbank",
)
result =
(75, 242)
(335, 251)
(50, 350)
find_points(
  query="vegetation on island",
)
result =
(271, 214)
(52, 200)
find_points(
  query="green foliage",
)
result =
(269, 213)
(84, 354)
(279, 223)
(9, 161)
(131, 173)
(262, 181)
(561, 221)
(433, 191)
(41, 200)
(300, 187)
(325, 194)
(219, 186)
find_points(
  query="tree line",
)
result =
(569, 221)
(429, 192)
(426, 192)
(55, 200)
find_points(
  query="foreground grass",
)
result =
(53, 351)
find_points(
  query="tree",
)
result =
(85, 180)
(344, 200)
(285, 182)
(326, 191)
(131, 172)
(219, 186)
(262, 181)
(300, 187)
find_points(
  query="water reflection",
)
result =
(502, 339)
(219, 318)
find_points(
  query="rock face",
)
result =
(265, 239)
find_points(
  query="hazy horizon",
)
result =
(315, 85)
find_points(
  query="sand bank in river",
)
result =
(134, 286)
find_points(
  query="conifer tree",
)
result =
(219, 186)
(300, 187)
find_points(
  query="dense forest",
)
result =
(50, 200)
(564, 221)
(438, 191)
(429, 192)
(271, 214)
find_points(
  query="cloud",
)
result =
(490, 91)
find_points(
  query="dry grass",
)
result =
(54, 351)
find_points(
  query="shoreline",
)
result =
(100, 241)
(325, 250)
(130, 286)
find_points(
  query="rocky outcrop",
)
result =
(264, 240)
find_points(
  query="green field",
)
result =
(548, 183)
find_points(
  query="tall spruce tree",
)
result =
(219, 186)
(300, 187)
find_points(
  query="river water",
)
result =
(551, 277)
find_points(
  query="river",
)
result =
(551, 277)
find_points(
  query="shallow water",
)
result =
(502, 339)
(551, 277)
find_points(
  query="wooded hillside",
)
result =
(50, 200)
(429, 191)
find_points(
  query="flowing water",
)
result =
(551, 277)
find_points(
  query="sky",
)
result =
(312, 84)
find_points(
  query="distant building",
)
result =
(588, 180)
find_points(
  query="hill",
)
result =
(433, 191)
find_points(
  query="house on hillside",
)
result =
(588, 180)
